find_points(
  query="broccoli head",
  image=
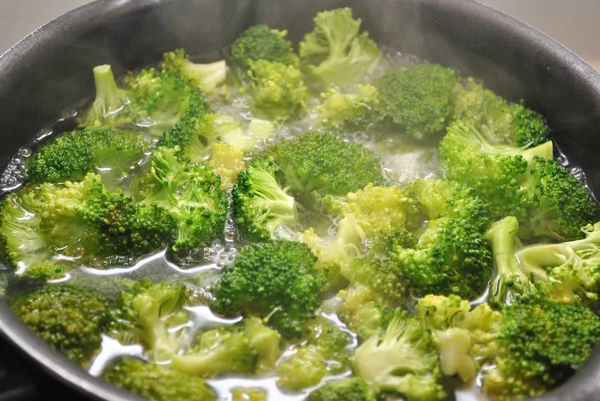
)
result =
(541, 345)
(157, 382)
(275, 278)
(403, 359)
(323, 164)
(249, 394)
(265, 340)
(69, 318)
(208, 77)
(277, 91)
(72, 155)
(349, 111)
(336, 52)
(324, 353)
(217, 352)
(499, 121)
(418, 98)
(351, 389)
(227, 161)
(261, 207)
(259, 42)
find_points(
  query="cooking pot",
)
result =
(47, 73)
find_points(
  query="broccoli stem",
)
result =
(545, 151)
(509, 280)
(109, 97)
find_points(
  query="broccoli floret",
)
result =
(262, 209)
(402, 360)
(157, 382)
(72, 155)
(352, 389)
(218, 352)
(227, 161)
(541, 346)
(277, 91)
(466, 337)
(259, 42)
(417, 98)
(349, 111)
(204, 76)
(335, 51)
(266, 341)
(249, 394)
(360, 310)
(324, 353)
(152, 315)
(275, 278)
(108, 108)
(499, 121)
(192, 195)
(545, 198)
(336, 252)
(321, 163)
(379, 210)
(452, 255)
(69, 318)
(47, 270)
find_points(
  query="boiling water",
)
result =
(403, 161)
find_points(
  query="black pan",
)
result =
(50, 71)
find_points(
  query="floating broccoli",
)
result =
(207, 77)
(260, 42)
(350, 111)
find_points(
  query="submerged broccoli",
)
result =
(261, 207)
(325, 353)
(545, 198)
(352, 389)
(192, 195)
(259, 42)
(72, 155)
(350, 111)
(277, 91)
(157, 382)
(217, 352)
(499, 121)
(265, 340)
(541, 346)
(335, 51)
(152, 315)
(69, 318)
(417, 98)
(323, 164)
(204, 76)
(274, 278)
(402, 360)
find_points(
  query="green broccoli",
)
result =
(207, 77)
(227, 162)
(157, 382)
(153, 315)
(351, 389)
(192, 195)
(499, 121)
(418, 98)
(335, 52)
(541, 346)
(277, 91)
(466, 337)
(545, 198)
(259, 42)
(265, 340)
(217, 352)
(72, 155)
(275, 279)
(349, 111)
(323, 164)
(261, 207)
(110, 106)
(249, 394)
(324, 353)
(69, 318)
(47, 270)
(402, 360)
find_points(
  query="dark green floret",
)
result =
(323, 164)
(69, 318)
(260, 42)
(72, 155)
(417, 98)
(260, 205)
(352, 389)
(157, 382)
(275, 278)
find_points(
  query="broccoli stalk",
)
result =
(109, 97)
(205, 76)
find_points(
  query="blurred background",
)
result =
(573, 23)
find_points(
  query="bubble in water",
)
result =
(25, 152)
(43, 133)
